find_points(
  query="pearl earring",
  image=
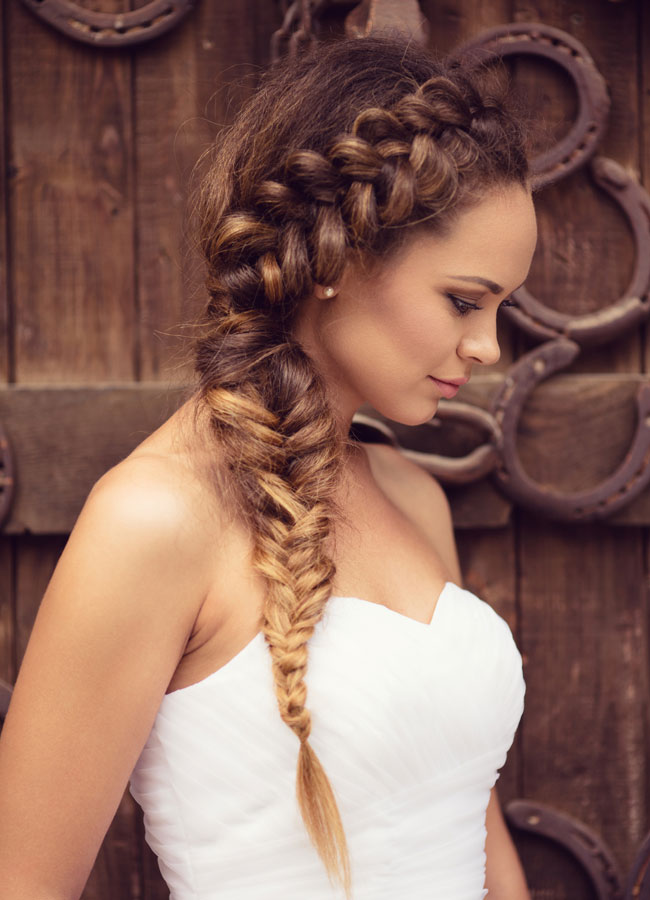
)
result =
(329, 291)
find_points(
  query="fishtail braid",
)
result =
(339, 152)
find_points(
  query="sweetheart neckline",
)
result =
(394, 612)
(211, 676)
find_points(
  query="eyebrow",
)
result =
(492, 286)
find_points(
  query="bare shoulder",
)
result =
(153, 494)
(113, 624)
(420, 497)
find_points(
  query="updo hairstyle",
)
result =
(340, 152)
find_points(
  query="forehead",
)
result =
(494, 239)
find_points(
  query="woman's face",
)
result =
(398, 335)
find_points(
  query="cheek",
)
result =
(388, 340)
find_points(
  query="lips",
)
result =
(448, 389)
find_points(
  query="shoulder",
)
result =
(147, 498)
(419, 496)
(145, 529)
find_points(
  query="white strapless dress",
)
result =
(411, 722)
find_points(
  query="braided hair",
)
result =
(338, 152)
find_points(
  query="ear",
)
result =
(325, 292)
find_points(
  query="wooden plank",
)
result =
(582, 595)
(71, 235)
(63, 439)
(5, 336)
(7, 660)
(188, 85)
(574, 432)
(584, 635)
(644, 164)
(585, 253)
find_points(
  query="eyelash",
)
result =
(463, 307)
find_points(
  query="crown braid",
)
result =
(338, 151)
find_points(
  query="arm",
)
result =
(110, 631)
(504, 876)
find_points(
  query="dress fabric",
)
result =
(411, 722)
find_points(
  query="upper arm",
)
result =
(109, 633)
(504, 876)
(422, 499)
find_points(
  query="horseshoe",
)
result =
(630, 479)
(452, 470)
(111, 29)
(6, 477)
(582, 843)
(633, 307)
(535, 39)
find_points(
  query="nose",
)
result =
(480, 343)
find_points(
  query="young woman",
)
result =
(257, 618)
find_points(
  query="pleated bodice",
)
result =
(411, 722)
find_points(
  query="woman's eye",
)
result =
(507, 302)
(461, 306)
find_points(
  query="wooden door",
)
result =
(98, 279)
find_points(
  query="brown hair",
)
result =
(338, 151)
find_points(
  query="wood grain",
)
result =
(64, 439)
(585, 253)
(5, 335)
(574, 432)
(103, 281)
(584, 634)
(71, 233)
(187, 87)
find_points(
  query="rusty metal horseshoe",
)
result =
(633, 307)
(535, 39)
(7, 482)
(451, 470)
(596, 503)
(584, 844)
(111, 29)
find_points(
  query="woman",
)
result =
(256, 616)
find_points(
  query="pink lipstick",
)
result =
(448, 389)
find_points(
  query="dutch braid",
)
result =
(338, 152)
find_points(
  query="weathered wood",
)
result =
(6, 546)
(584, 634)
(71, 235)
(64, 438)
(644, 89)
(574, 432)
(5, 337)
(188, 86)
(585, 255)
(86, 309)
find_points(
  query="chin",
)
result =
(405, 416)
